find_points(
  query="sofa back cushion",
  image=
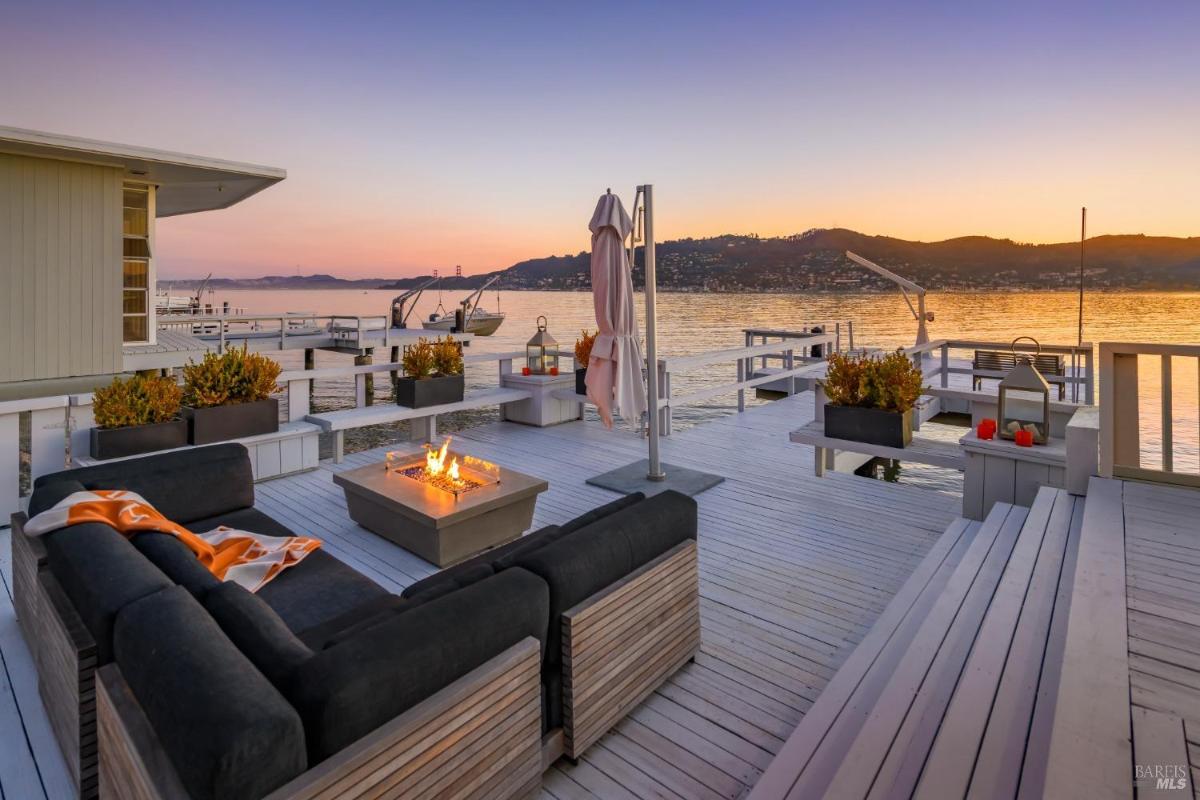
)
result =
(101, 573)
(227, 731)
(176, 561)
(600, 512)
(257, 631)
(183, 485)
(48, 495)
(584, 561)
(351, 688)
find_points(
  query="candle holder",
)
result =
(1023, 438)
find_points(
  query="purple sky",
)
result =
(420, 136)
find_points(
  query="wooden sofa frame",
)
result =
(619, 645)
(479, 738)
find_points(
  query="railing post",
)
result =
(664, 390)
(80, 422)
(741, 376)
(47, 441)
(1119, 435)
(10, 466)
(850, 329)
(1090, 369)
(837, 337)
(945, 364)
(221, 342)
(282, 332)
(505, 369)
(1168, 432)
(299, 399)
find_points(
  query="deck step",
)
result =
(945, 705)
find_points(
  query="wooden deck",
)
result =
(794, 570)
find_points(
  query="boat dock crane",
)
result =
(919, 313)
(399, 314)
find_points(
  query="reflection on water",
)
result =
(692, 323)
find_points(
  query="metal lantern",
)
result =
(541, 354)
(1024, 398)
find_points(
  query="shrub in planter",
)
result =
(433, 373)
(228, 396)
(138, 415)
(583, 353)
(871, 399)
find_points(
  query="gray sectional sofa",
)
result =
(467, 684)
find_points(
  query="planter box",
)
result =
(581, 381)
(870, 425)
(137, 439)
(233, 421)
(413, 393)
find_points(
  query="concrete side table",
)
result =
(998, 471)
(543, 408)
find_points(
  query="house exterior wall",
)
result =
(60, 269)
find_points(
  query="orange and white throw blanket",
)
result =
(248, 559)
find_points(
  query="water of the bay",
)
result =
(695, 323)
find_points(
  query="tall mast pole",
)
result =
(1079, 340)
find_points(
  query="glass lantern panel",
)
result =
(1023, 409)
(533, 359)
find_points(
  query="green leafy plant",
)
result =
(583, 348)
(419, 360)
(447, 356)
(891, 382)
(139, 400)
(235, 376)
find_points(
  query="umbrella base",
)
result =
(632, 478)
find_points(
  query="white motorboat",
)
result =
(476, 320)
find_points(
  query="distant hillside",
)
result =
(277, 282)
(815, 261)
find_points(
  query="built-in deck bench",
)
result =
(953, 690)
(997, 363)
(425, 424)
(923, 450)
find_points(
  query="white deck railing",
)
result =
(1079, 377)
(1122, 421)
(354, 331)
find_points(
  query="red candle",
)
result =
(1023, 438)
(990, 424)
(525, 371)
(985, 431)
(554, 370)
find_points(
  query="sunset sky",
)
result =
(422, 135)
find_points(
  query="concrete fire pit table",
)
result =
(432, 522)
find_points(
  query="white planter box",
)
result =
(542, 408)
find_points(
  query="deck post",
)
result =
(788, 366)
(1090, 385)
(741, 376)
(310, 364)
(423, 429)
(299, 399)
(395, 359)
(368, 378)
(1167, 423)
(945, 364)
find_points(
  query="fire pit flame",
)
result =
(449, 477)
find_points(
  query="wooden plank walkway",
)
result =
(1162, 577)
(794, 571)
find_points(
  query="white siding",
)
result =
(60, 269)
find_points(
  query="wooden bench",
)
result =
(923, 450)
(952, 691)
(338, 422)
(996, 363)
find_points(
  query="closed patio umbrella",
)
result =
(614, 371)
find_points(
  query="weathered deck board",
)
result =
(793, 571)
(1162, 548)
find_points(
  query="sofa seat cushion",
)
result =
(348, 690)
(228, 732)
(323, 635)
(176, 561)
(101, 572)
(243, 519)
(49, 494)
(257, 631)
(318, 589)
(184, 485)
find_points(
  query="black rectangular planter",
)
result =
(869, 425)
(438, 391)
(233, 421)
(581, 381)
(137, 439)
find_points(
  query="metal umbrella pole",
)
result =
(655, 472)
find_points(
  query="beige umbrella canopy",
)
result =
(614, 376)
